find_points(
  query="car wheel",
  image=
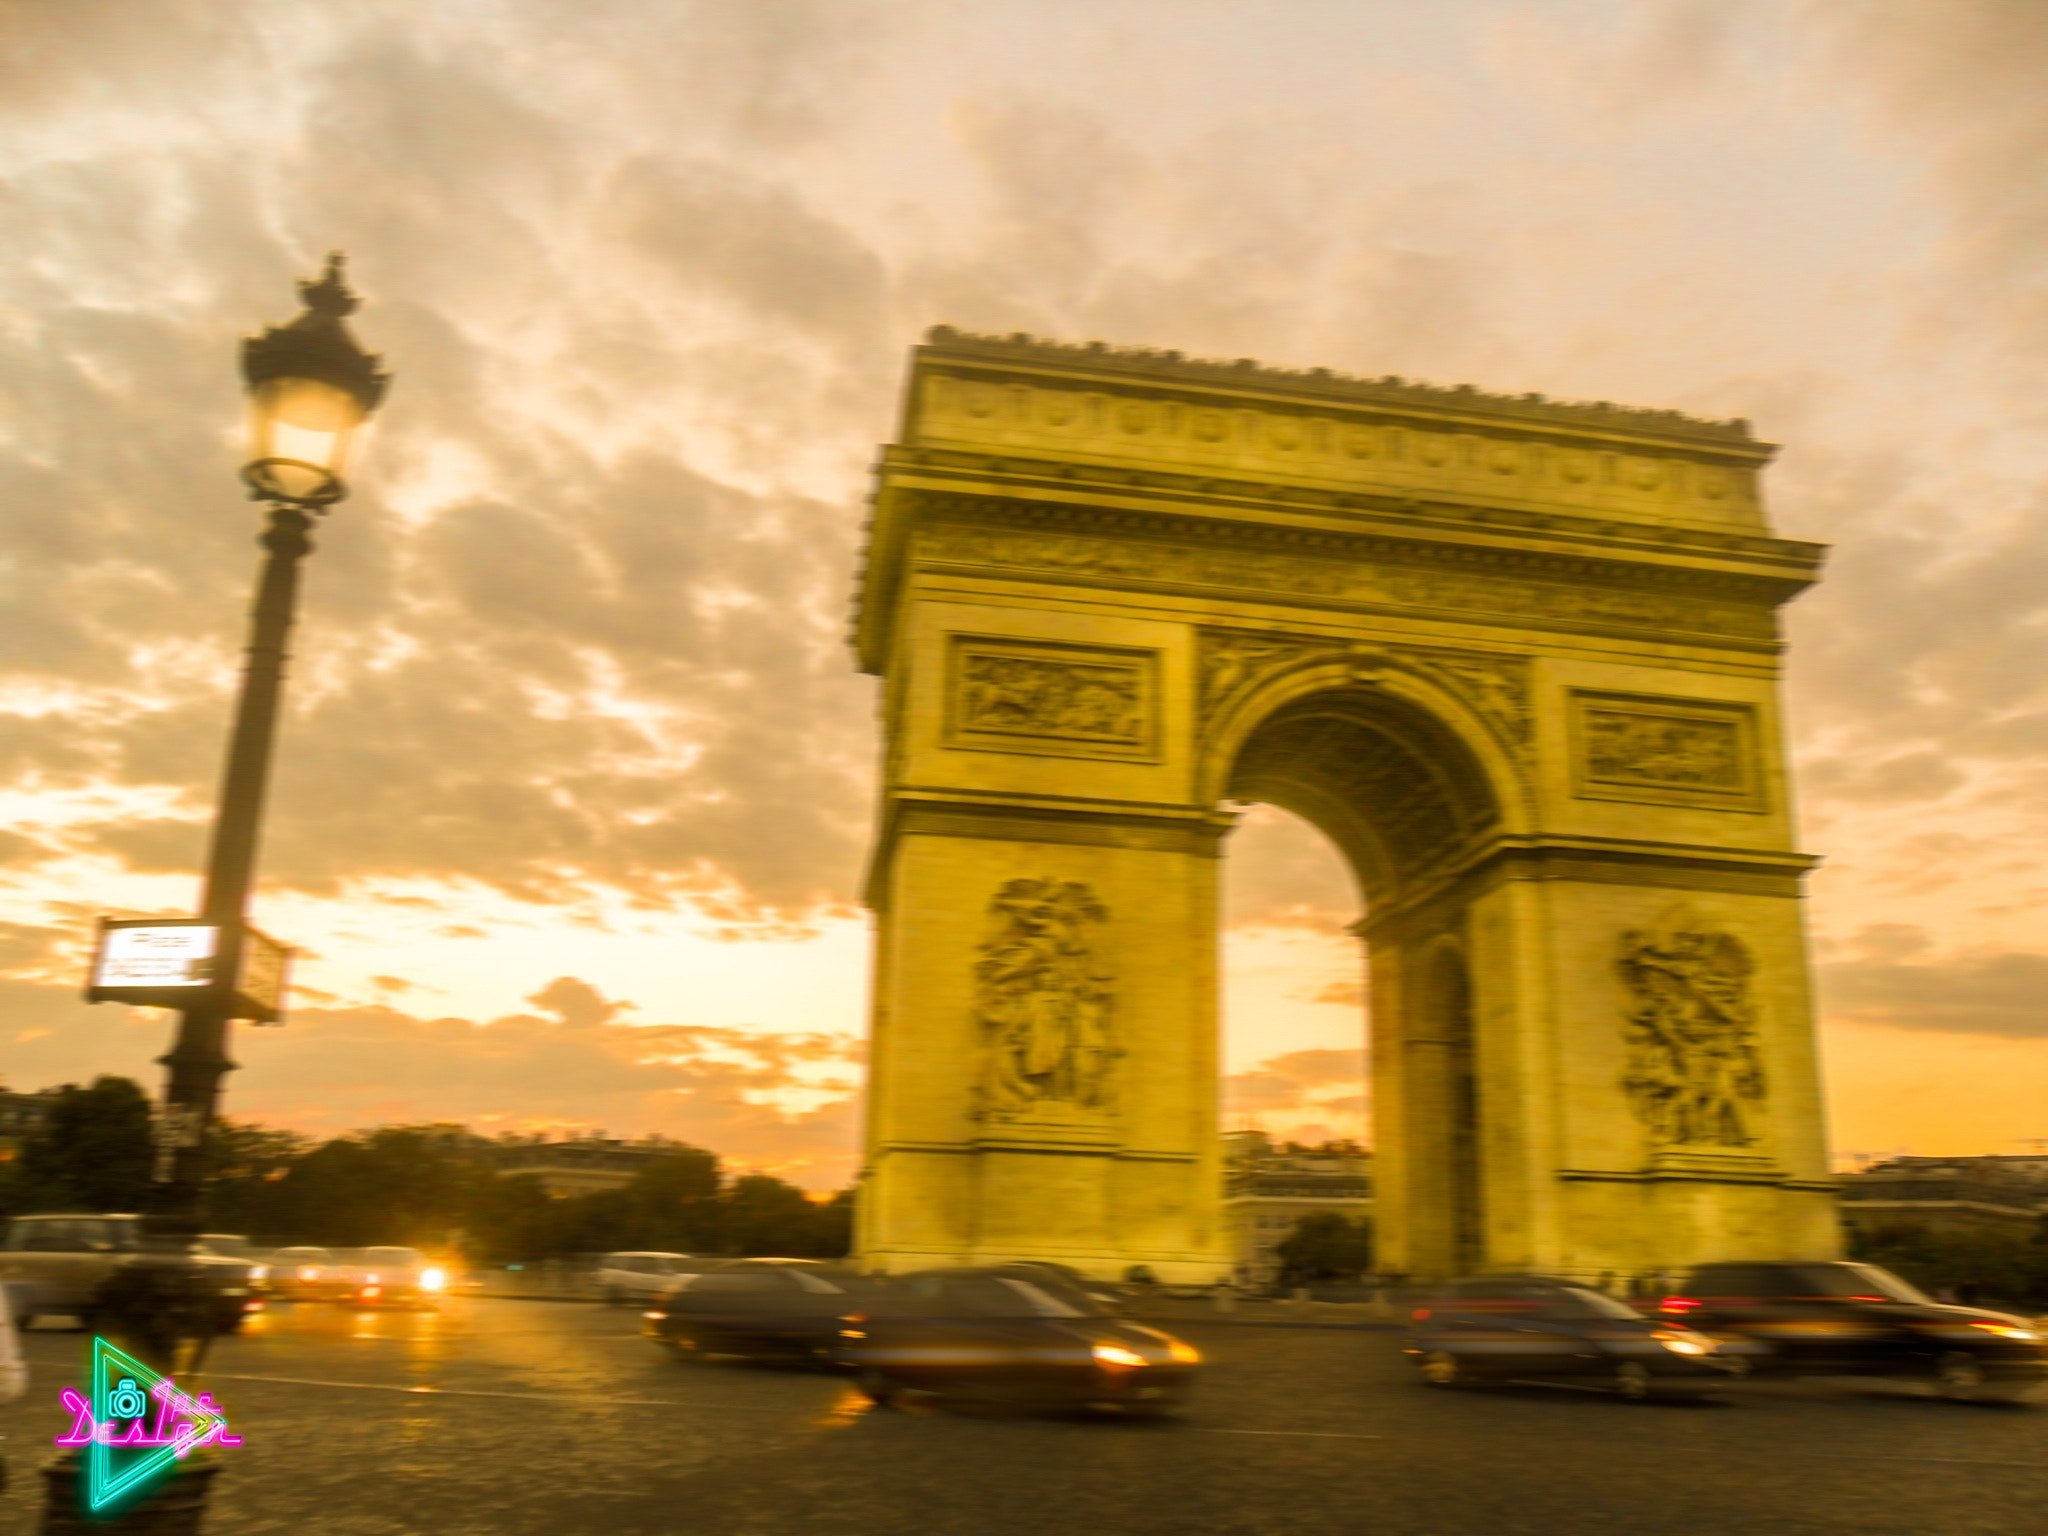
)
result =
(1961, 1375)
(1632, 1381)
(880, 1389)
(1440, 1368)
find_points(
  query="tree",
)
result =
(246, 1164)
(1325, 1245)
(91, 1153)
(1972, 1266)
(409, 1184)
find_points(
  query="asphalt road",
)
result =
(511, 1418)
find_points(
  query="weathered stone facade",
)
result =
(1516, 658)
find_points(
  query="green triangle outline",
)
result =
(103, 1485)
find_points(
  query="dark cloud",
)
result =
(2002, 993)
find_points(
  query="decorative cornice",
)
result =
(1228, 493)
(1349, 547)
(1389, 389)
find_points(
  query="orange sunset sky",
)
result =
(577, 777)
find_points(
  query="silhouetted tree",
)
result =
(1325, 1245)
(91, 1153)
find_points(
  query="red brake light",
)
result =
(1677, 1304)
(1419, 1315)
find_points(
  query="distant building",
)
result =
(583, 1165)
(1948, 1194)
(1267, 1188)
(21, 1116)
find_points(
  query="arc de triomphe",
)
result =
(1517, 659)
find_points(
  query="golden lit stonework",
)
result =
(1516, 658)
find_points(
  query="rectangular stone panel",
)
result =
(1037, 696)
(1665, 751)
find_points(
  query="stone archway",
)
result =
(1516, 659)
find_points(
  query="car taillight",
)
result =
(1676, 1304)
(1419, 1315)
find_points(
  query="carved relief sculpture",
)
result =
(1627, 747)
(1029, 696)
(1036, 697)
(1695, 1075)
(1043, 999)
(1497, 687)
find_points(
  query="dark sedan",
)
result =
(1010, 1335)
(1832, 1319)
(1534, 1328)
(760, 1308)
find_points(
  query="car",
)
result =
(1838, 1318)
(67, 1265)
(1542, 1329)
(392, 1277)
(1010, 1334)
(306, 1273)
(638, 1277)
(13, 1373)
(758, 1308)
(1107, 1295)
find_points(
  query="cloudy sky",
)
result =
(576, 781)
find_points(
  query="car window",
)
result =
(1590, 1303)
(817, 1285)
(1729, 1280)
(397, 1258)
(56, 1237)
(1846, 1280)
(755, 1282)
(30, 1236)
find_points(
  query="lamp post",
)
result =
(310, 388)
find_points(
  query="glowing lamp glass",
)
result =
(433, 1280)
(299, 434)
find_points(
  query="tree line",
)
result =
(425, 1186)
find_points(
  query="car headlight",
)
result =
(1117, 1357)
(259, 1272)
(309, 1272)
(653, 1317)
(1683, 1343)
(432, 1279)
(2010, 1331)
(1183, 1353)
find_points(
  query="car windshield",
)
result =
(1603, 1305)
(1861, 1280)
(232, 1247)
(998, 1296)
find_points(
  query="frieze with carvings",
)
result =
(1695, 1074)
(1665, 751)
(1497, 687)
(1382, 583)
(1044, 1001)
(1071, 700)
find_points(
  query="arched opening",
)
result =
(1403, 801)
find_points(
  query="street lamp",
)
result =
(311, 387)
